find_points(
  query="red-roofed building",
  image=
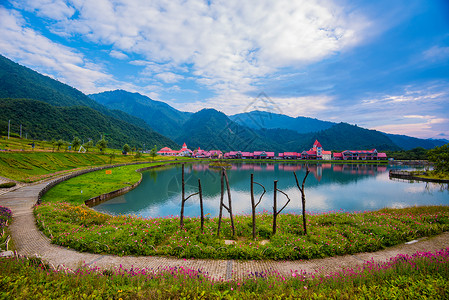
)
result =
(317, 152)
(290, 155)
(362, 155)
(184, 151)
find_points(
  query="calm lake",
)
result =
(329, 187)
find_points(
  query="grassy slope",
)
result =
(94, 184)
(31, 166)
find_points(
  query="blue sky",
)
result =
(378, 64)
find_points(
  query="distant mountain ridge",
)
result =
(43, 121)
(19, 82)
(266, 120)
(158, 115)
(256, 130)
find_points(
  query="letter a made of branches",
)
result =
(224, 176)
(253, 204)
(303, 198)
(275, 211)
(184, 199)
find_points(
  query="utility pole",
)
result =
(9, 127)
(20, 130)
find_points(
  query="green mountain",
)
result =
(158, 115)
(408, 142)
(266, 120)
(43, 121)
(211, 129)
(344, 136)
(18, 82)
(263, 130)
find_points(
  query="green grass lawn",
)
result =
(419, 276)
(35, 166)
(64, 217)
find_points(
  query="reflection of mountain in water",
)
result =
(162, 187)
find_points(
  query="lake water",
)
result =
(329, 187)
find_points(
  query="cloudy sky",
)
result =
(378, 64)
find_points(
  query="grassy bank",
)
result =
(35, 166)
(68, 222)
(331, 234)
(423, 275)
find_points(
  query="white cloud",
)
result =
(437, 53)
(169, 77)
(230, 44)
(118, 54)
(53, 9)
(32, 49)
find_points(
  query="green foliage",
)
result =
(421, 276)
(101, 145)
(413, 154)
(6, 185)
(88, 145)
(76, 143)
(34, 166)
(440, 157)
(43, 122)
(126, 148)
(160, 116)
(59, 144)
(153, 152)
(331, 234)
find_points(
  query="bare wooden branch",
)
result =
(200, 191)
(253, 204)
(191, 196)
(221, 202)
(230, 202)
(275, 211)
(303, 197)
(181, 217)
(264, 191)
(285, 203)
(183, 199)
(224, 176)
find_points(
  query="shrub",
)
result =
(7, 185)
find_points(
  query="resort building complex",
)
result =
(316, 152)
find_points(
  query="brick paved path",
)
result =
(28, 240)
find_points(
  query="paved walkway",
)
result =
(28, 240)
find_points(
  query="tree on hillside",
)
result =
(126, 149)
(440, 157)
(153, 152)
(76, 143)
(102, 144)
(88, 145)
(59, 144)
(53, 143)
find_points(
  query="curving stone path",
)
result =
(29, 241)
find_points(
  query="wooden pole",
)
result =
(253, 206)
(229, 201)
(274, 206)
(182, 197)
(303, 198)
(221, 203)
(201, 205)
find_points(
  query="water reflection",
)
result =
(347, 187)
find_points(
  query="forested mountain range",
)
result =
(68, 112)
(256, 130)
(49, 109)
(266, 120)
(159, 115)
